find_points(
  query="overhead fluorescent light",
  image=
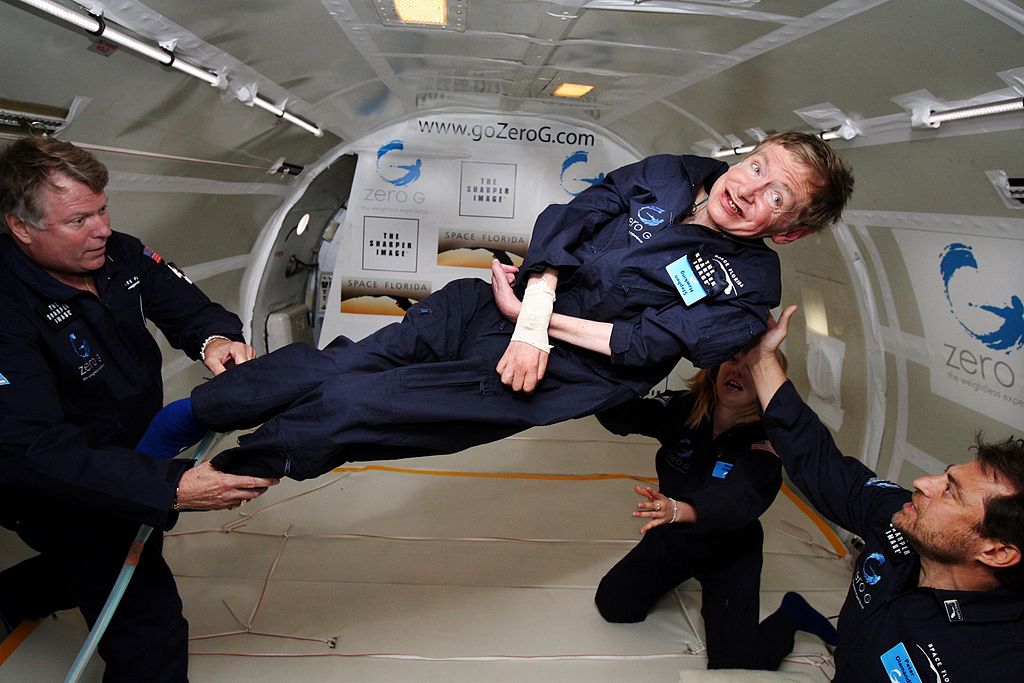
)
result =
(98, 26)
(936, 118)
(572, 90)
(422, 11)
(443, 14)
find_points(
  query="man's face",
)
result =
(762, 195)
(940, 520)
(76, 226)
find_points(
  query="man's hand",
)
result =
(522, 366)
(763, 360)
(221, 354)
(205, 488)
(502, 278)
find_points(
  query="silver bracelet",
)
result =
(675, 512)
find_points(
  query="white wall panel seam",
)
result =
(139, 182)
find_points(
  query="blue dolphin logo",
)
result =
(870, 572)
(1009, 335)
(412, 171)
(578, 157)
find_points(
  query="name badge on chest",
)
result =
(695, 277)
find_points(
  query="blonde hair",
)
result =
(702, 385)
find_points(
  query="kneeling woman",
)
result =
(717, 474)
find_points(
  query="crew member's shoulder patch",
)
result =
(148, 252)
(882, 483)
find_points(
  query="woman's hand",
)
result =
(658, 508)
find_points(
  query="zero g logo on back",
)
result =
(576, 177)
(397, 174)
(1002, 329)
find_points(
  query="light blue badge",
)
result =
(686, 281)
(4, 380)
(721, 469)
(898, 666)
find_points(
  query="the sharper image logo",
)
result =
(392, 172)
(576, 175)
(999, 325)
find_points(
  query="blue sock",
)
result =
(807, 618)
(172, 430)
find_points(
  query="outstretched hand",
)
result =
(658, 508)
(206, 488)
(769, 343)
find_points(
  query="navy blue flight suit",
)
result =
(79, 382)
(889, 628)
(428, 385)
(730, 480)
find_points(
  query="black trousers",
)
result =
(728, 566)
(425, 386)
(79, 561)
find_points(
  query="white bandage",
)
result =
(534, 316)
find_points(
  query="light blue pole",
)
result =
(117, 592)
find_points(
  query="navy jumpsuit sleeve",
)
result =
(179, 308)
(656, 337)
(838, 486)
(645, 416)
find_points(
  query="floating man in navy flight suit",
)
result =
(663, 259)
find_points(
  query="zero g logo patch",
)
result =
(4, 381)
(881, 483)
(866, 576)
(870, 571)
(399, 175)
(651, 216)
(79, 345)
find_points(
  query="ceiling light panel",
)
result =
(447, 15)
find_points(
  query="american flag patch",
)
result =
(146, 251)
(763, 446)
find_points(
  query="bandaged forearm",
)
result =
(535, 314)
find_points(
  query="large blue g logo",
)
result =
(573, 183)
(1009, 335)
(870, 568)
(651, 216)
(411, 171)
